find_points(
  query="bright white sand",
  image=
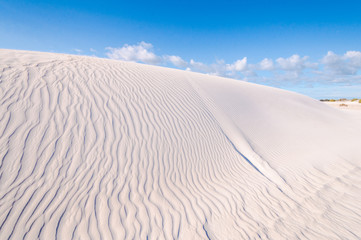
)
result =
(352, 108)
(99, 149)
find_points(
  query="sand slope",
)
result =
(100, 149)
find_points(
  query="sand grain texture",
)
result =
(100, 149)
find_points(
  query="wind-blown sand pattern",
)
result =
(100, 149)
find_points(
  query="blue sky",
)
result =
(312, 47)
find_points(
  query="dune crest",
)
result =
(99, 149)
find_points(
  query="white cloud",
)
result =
(239, 65)
(199, 67)
(348, 64)
(220, 68)
(354, 59)
(176, 61)
(331, 69)
(93, 50)
(335, 64)
(141, 52)
(266, 64)
(295, 63)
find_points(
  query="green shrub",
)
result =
(359, 101)
(354, 99)
(332, 100)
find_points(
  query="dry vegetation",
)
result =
(341, 100)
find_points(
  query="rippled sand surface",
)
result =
(99, 149)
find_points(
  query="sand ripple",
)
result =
(99, 149)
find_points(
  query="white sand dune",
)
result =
(100, 149)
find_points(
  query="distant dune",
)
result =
(350, 107)
(100, 149)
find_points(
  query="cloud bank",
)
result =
(143, 52)
(332, 68)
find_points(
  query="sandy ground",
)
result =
(350, 107)
(101, 149)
